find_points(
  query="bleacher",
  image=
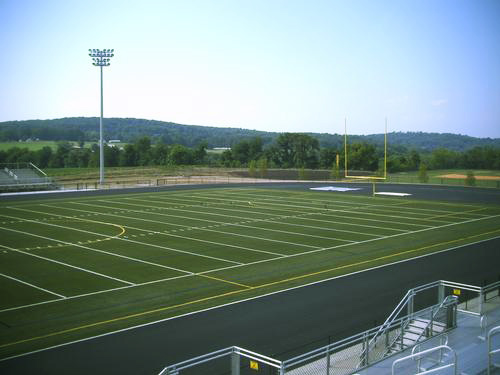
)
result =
(23, 177)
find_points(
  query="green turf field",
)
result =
(74, 268)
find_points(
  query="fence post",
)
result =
(440, 293)
(235, 363)
(328, 361)
(410, 303)
(481, 300)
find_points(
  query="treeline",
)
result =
(289, 150)
(129, 130)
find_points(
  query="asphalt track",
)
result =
(280, 325)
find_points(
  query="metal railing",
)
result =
(492, 352)
(425, 353)
(359, 351)
(235, 353)
(354, 353)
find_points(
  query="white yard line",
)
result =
(345, 223)
(33, 286)
(357, 243)
(198, 228)
(360, 211)
(62, 263)
(321, 212)
(214, 206)
(95, 293)
(241, 300)
(273, 220)
(162, 233)
(95, 250)
(246, 221)
(117, 238)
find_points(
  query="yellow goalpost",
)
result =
(373, 179)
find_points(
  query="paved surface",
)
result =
(470, 349)
(279, 325)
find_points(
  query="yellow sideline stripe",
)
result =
(236, 291)
(225, 281)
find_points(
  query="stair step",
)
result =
(416, 330)
(411, 336)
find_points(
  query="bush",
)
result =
(470, 180)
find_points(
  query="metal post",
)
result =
(481, 300)
(101, 145)
(440, 293)
(328, 361)
(411, 303)
(101, 58)
(235, 363)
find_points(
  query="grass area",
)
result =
(437, 177)
(77, 267)
(36, 145)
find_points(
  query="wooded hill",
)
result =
(130, 129)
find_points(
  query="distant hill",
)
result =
(129, 129)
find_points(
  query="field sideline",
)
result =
(77, 267)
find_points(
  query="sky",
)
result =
(272, 65)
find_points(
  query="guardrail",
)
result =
(491, 352)
(427, 352)
(359, 351)
(235, 353)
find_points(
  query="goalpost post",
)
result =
(373, 179)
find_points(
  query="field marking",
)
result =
(98, 251)
(118, 238)
(162, 233)
(273, 220)
(198, 228)
(302, 216)
(382, 258)
(402, 205)
(33, 286)
(359, 242)
(205, 299)
(367, 206)
(319, 209)
(226, 281)
(231, 224)
(76, 296)
(59, 262)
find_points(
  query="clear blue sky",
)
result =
(428, 65)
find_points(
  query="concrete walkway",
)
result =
(467, 340)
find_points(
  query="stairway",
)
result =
(415, 331)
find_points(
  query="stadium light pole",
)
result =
(101, 58)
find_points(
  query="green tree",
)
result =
(252, 166)
(423, 177)
(180, 155)
(302, 173)
(470, 180)
(262, 164)
(335, 172)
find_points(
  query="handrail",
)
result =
(38, 169)
(428, 351)
(454, 300)
(174, 369)
(491, 332)
(443, 341)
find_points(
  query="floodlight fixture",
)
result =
(101, 58)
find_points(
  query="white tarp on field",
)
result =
(394, 194)
(334, 188)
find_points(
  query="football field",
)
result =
(78, 267)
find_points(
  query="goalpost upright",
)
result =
(372, 178)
